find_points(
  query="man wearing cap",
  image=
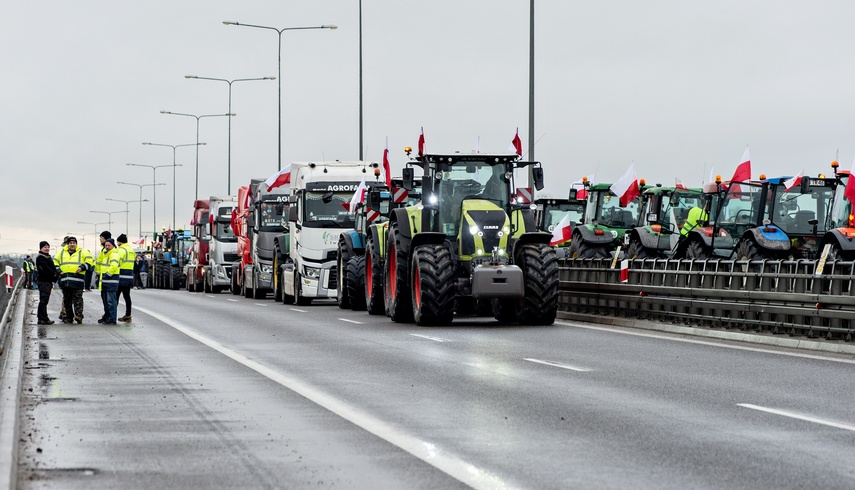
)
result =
(109, 281)
(100, 262)
(126, 256)
(46, 278)
(72, 263)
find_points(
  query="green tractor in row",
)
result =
(606, 222)
(468, 243)
(665, 212)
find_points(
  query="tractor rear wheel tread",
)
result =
(342, 296)
(540, 272)
(355, 282)
(433, 285)
(373, 297)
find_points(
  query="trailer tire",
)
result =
(355, 282)
(342, 296)
(539, 263)
(433, 285)
(396, 278)
(373, 280)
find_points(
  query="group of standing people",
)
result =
(72, 266)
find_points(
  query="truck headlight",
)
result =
(312, 272)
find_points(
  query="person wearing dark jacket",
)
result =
(46, 277)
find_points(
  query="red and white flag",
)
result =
(743, 170)
(358, 197)
(562, 232)
(849, 191)
(626, 188)
(679, 184)
(794, 181)
(422, 143)
(279, 179)
(516, 144)
(386, 167)
(141, 241)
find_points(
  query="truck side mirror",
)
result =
(805, 185)
(408, 178)
(537, 175)
(292, 214)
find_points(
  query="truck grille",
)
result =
(332, 278)
(230, 258)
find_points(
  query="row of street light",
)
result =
(197, 144)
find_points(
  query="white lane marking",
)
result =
(229, 299)
(259, 304)
(668, 336)
(435, 339)
(806, 418)
(557, 364)
(424, 450)
(295, 309)
(350, 321)
(210, 296)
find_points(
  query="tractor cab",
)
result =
(665, 214)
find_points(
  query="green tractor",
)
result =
(468, 243)
(550, 212)
(665, 212)
(606, 222)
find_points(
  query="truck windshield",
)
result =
(270, 216)
(223, 233)
(332, 214)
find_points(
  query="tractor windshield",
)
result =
(270, 216)
(469, 180)
(554, 213)
(327, 210)
(675, 207)
(611, 214)
(792, 211)
(841, 209)
(740, 208)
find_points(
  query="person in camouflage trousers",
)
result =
(73, 263)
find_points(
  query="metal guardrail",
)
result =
(784, 297)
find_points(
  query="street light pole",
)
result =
(174, 147)
(230, 114)
(197, 133)
(531, 98)
(96, 225)
(279, 63)
(109, 216)
(154, 191)
(127, 212)
(139, 231)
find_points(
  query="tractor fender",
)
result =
(586, 233)
(645, 236)
(770, 240)
(401, 218)
(353, 243)
(704, 235)
(377, 233)
(843, 237)
(522, 221)
(428, 238)
(530, 237)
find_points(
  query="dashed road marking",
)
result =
(557, 364)
(806, 418)
(350, 321)
(229, 299)
(295, 309)
(259, 304)
(435, 339)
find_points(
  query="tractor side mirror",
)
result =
(805, 185)
(408, 176)
(374, 200)
(537, 175)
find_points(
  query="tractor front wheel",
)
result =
(355, 282)
(373, 280)
(540, 272)
(433, 285)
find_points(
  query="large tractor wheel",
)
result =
(579, 249)
(636, 250)
(698, 251)
(373, 280)
(341, 294)
(540, 273)
(396, 276)
(433, 285)
(355, 282)
(748, 249)
(837, 253)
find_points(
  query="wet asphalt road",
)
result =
(219, 391)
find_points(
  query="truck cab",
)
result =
(222, 247)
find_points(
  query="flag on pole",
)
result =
(794, 181)
(422, 143)
(386, 167)
(679, 184)
(358, 197)
(279, 179)
(516, 144)
(562, 232)
(141, 241)
(743, 170)
(849, 191)
(626, 188)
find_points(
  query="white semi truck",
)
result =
(317, 214)
(222, 249)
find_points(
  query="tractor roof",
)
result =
(453, 158)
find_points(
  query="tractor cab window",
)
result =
(740, 208)
(327, 210)
(791, 210)
(612, 214)
(842, 208)
(469, 180)
(674, 208)
(271, 216)
(553, 214)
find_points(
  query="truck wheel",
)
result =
(433, 285)
(396, 275)
(191, 286)
(247, 292)
(697, 251)
(175, 279)
(256, 292)
(540, 273)
(355, 281)
(206, 286)
(300, 299)
(234, 287)
(373, 280)
(581, 250)
(277, 281)
(341, 292)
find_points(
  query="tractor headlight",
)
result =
(502, 251)
(506, 229)
(479, 251)
(473, 230)
(432, 199)
(312, 272)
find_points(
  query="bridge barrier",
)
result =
(780, 297)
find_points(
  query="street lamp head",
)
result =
(269, 78)
(230, 23)
(165, 112)
(146, 143)
(332, 28)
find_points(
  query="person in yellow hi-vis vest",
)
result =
(695, 214)
(101, 261)
(73, 263)
(109, 281)
(127, 256)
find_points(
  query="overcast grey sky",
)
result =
(675, 86)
